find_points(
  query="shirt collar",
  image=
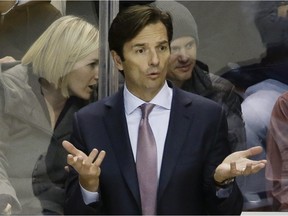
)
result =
(162, 99)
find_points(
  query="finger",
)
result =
(234, 170)
(100, 158)
(92, 156)
(263, 161)
(252, 151)
(75, 161)
(88, 162)
(233, 167)
(80, 165)
(70, 159)
(258, 167)
(70, 147)
(242, 171)
(252, 168)
(247, 170)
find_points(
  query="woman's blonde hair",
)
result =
(66, 41)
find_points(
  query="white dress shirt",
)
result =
(158, 118)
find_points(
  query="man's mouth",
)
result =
(184, 67)
(153, 74)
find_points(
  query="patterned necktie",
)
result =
(146, 163)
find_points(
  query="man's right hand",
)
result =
(88, 167)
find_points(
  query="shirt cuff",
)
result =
(224, 192)
(88, 196)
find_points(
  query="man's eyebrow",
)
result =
(192, 40)
(163, 42)
(138, 45)
(189, 42)
(143, 44)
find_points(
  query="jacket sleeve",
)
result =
(7, 192)
(74, 203)
(232, 204)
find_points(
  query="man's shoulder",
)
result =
(93, 107)
(221, 83)
(101, 106)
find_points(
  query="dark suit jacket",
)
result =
(196, 143)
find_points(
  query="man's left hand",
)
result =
(238, 164)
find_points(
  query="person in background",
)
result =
(22, 22)
(39, 96)
(271, 21)
(261, 84)
(191, 75)
(277, 153)
(185, 169)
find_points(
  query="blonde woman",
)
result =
(39, 95)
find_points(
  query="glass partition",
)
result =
(241, 47)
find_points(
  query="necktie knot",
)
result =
(146, 108)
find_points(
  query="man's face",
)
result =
(182, 60)
(145, 65)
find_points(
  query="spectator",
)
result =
(192, 76)
(39, 96)
(260, 85)
(22, 22)
(272, 23)
(277, 153)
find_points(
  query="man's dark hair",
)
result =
(129, 22)
(124, 4)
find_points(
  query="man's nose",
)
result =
(183, 55)
(154, 58)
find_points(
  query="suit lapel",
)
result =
(179, 124)
(121, 143)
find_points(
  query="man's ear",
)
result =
(117, 60)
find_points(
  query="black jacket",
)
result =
(221, 91)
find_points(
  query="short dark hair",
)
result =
(129, 22)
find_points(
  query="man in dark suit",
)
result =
(190, 134)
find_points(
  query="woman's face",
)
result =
(83, 78)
